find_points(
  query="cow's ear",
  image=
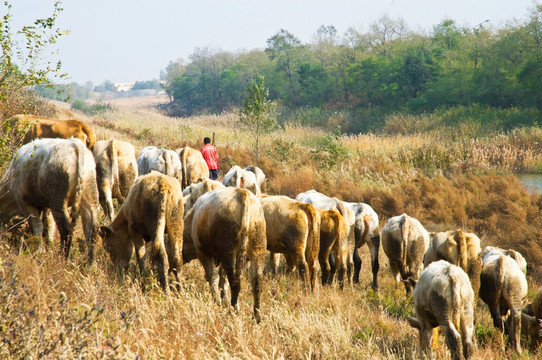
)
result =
(105, 231)
(415, 323)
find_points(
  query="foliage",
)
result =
(107, 85)
(389, 69)
(258, 113)
(149, 84)
(330, 152)
(98, 108)
(26, 61)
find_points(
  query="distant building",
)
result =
(124, 86)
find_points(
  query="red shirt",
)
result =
(210, 155)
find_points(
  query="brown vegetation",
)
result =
(85, 311)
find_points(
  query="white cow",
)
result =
(405, 242)
(164, 161)
(243, 179)
(116, 170)
(57, 175)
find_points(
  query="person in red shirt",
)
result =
(211, 158)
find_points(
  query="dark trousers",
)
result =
(213, 174)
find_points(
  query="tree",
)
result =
(27, 60)
(258, 113)
(282, 46)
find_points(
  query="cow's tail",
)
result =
(79, 179)
(184, 156)
(113, 156)
(500, 277)
(455, 288)
(461, 241)
(366, 225)
(243, 197)
(405, 233)
(313, 236)
(91, 137)
(163, 194)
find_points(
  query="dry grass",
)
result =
(57, 309)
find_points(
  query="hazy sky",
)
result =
(129, 40)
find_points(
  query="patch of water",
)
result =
(533, 182)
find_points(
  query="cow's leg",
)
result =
(140, 251)
(232, 269)
(453, 340)
(497, 322)
(48, 226)
(34, 220)
(332, 266)
(65, 228)
(274, 260)
(256, 272)
(211, 275)
(467, 337)
(90, 222)
(374, 248)
(357, 266)
(350, 266)
(514, 329)
(224, 286)
(176, 262)
(323, 259)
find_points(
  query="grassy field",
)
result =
(52, 308)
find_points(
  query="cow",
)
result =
(293, 229)
(443, 297)
(228, 226)
(241, 178)
(333, 240)
(533, 324)
(492, 250)
(260, 176)
(164, 161)
(405, 242)
(57, 175)
(503, 287)
(43, 127)
(194, 167)
(197, 190)
(321, 201)
(116, 171)
(365, 232)
(153, 207)
(458, 248)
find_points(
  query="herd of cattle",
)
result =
(171, 209)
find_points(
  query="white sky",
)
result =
(129, 40)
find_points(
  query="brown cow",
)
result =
(293, 229)
(228, 226)
(197, 190)
(458, 248)
(154, 206)
(55, 174)
(333, 240)
(43, 127)
(194, 166)
(116, 170)
(533, 324)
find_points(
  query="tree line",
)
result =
(366, 76)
